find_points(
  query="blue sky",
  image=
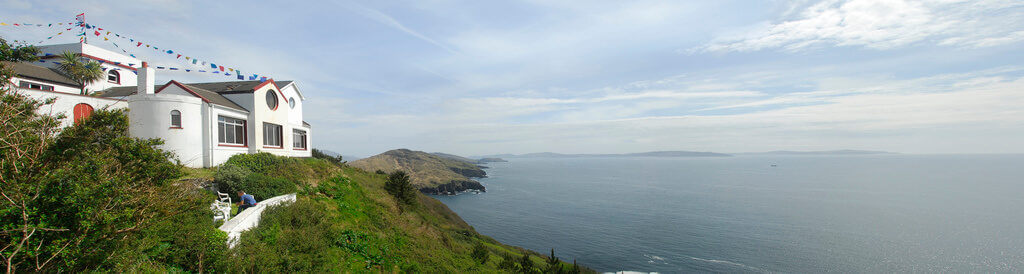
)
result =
(483, 77)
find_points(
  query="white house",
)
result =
(203, 124)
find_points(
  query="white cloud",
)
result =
(961, 112)
(886, 24)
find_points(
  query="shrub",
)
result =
(319, 154)
(507, 262)
(479, 253)
(229, 176)
(398, 185)
(262, 186)
(259, 163)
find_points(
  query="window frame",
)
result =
(302, 135)
(175, 112)
(223, 122)
(115, 73)
(280, 135)
(272, 94)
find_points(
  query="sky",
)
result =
(490, 77)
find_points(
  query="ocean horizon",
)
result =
(750, 213)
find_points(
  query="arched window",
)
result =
(113, 76)
(175, 119)
(82, 111)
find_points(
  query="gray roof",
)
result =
(282, 83)
(37, 72)
(231, 87)
(212, 97)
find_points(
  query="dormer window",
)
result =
(113, 76)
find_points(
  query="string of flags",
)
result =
(213, 67)
(50, 25)
(199, 65)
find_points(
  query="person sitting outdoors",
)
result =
(245, 201)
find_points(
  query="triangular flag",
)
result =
(106, 39)
(179, 56)
(3, 24)
(222, 68)
(140, 44)
(97, 33)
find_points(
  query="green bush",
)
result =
(262, 186)
(480, 253)
(258, 163)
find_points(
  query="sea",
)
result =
(757, 214)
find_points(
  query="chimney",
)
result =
(146, 79)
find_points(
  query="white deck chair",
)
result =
(222, 207)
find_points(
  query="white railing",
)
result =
(250, 217)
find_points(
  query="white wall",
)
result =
(150, 117)
(291, 92)
(65, 103)
(261, 113)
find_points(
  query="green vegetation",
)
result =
(90, 198)
(319, 154)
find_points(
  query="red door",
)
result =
(82, 111)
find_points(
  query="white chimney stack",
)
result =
(147, 80)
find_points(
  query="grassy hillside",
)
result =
(349, 223)
(430, 173)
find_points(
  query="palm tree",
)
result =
(80, 70)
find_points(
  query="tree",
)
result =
(526, 264)
(554, 265)
(398, 185)
(480, 253)
(80, 70)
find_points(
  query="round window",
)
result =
(271, 99)
(291, 102)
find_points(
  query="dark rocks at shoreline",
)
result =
(454, 187)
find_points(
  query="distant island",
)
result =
(677, 153)
(822, 152)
